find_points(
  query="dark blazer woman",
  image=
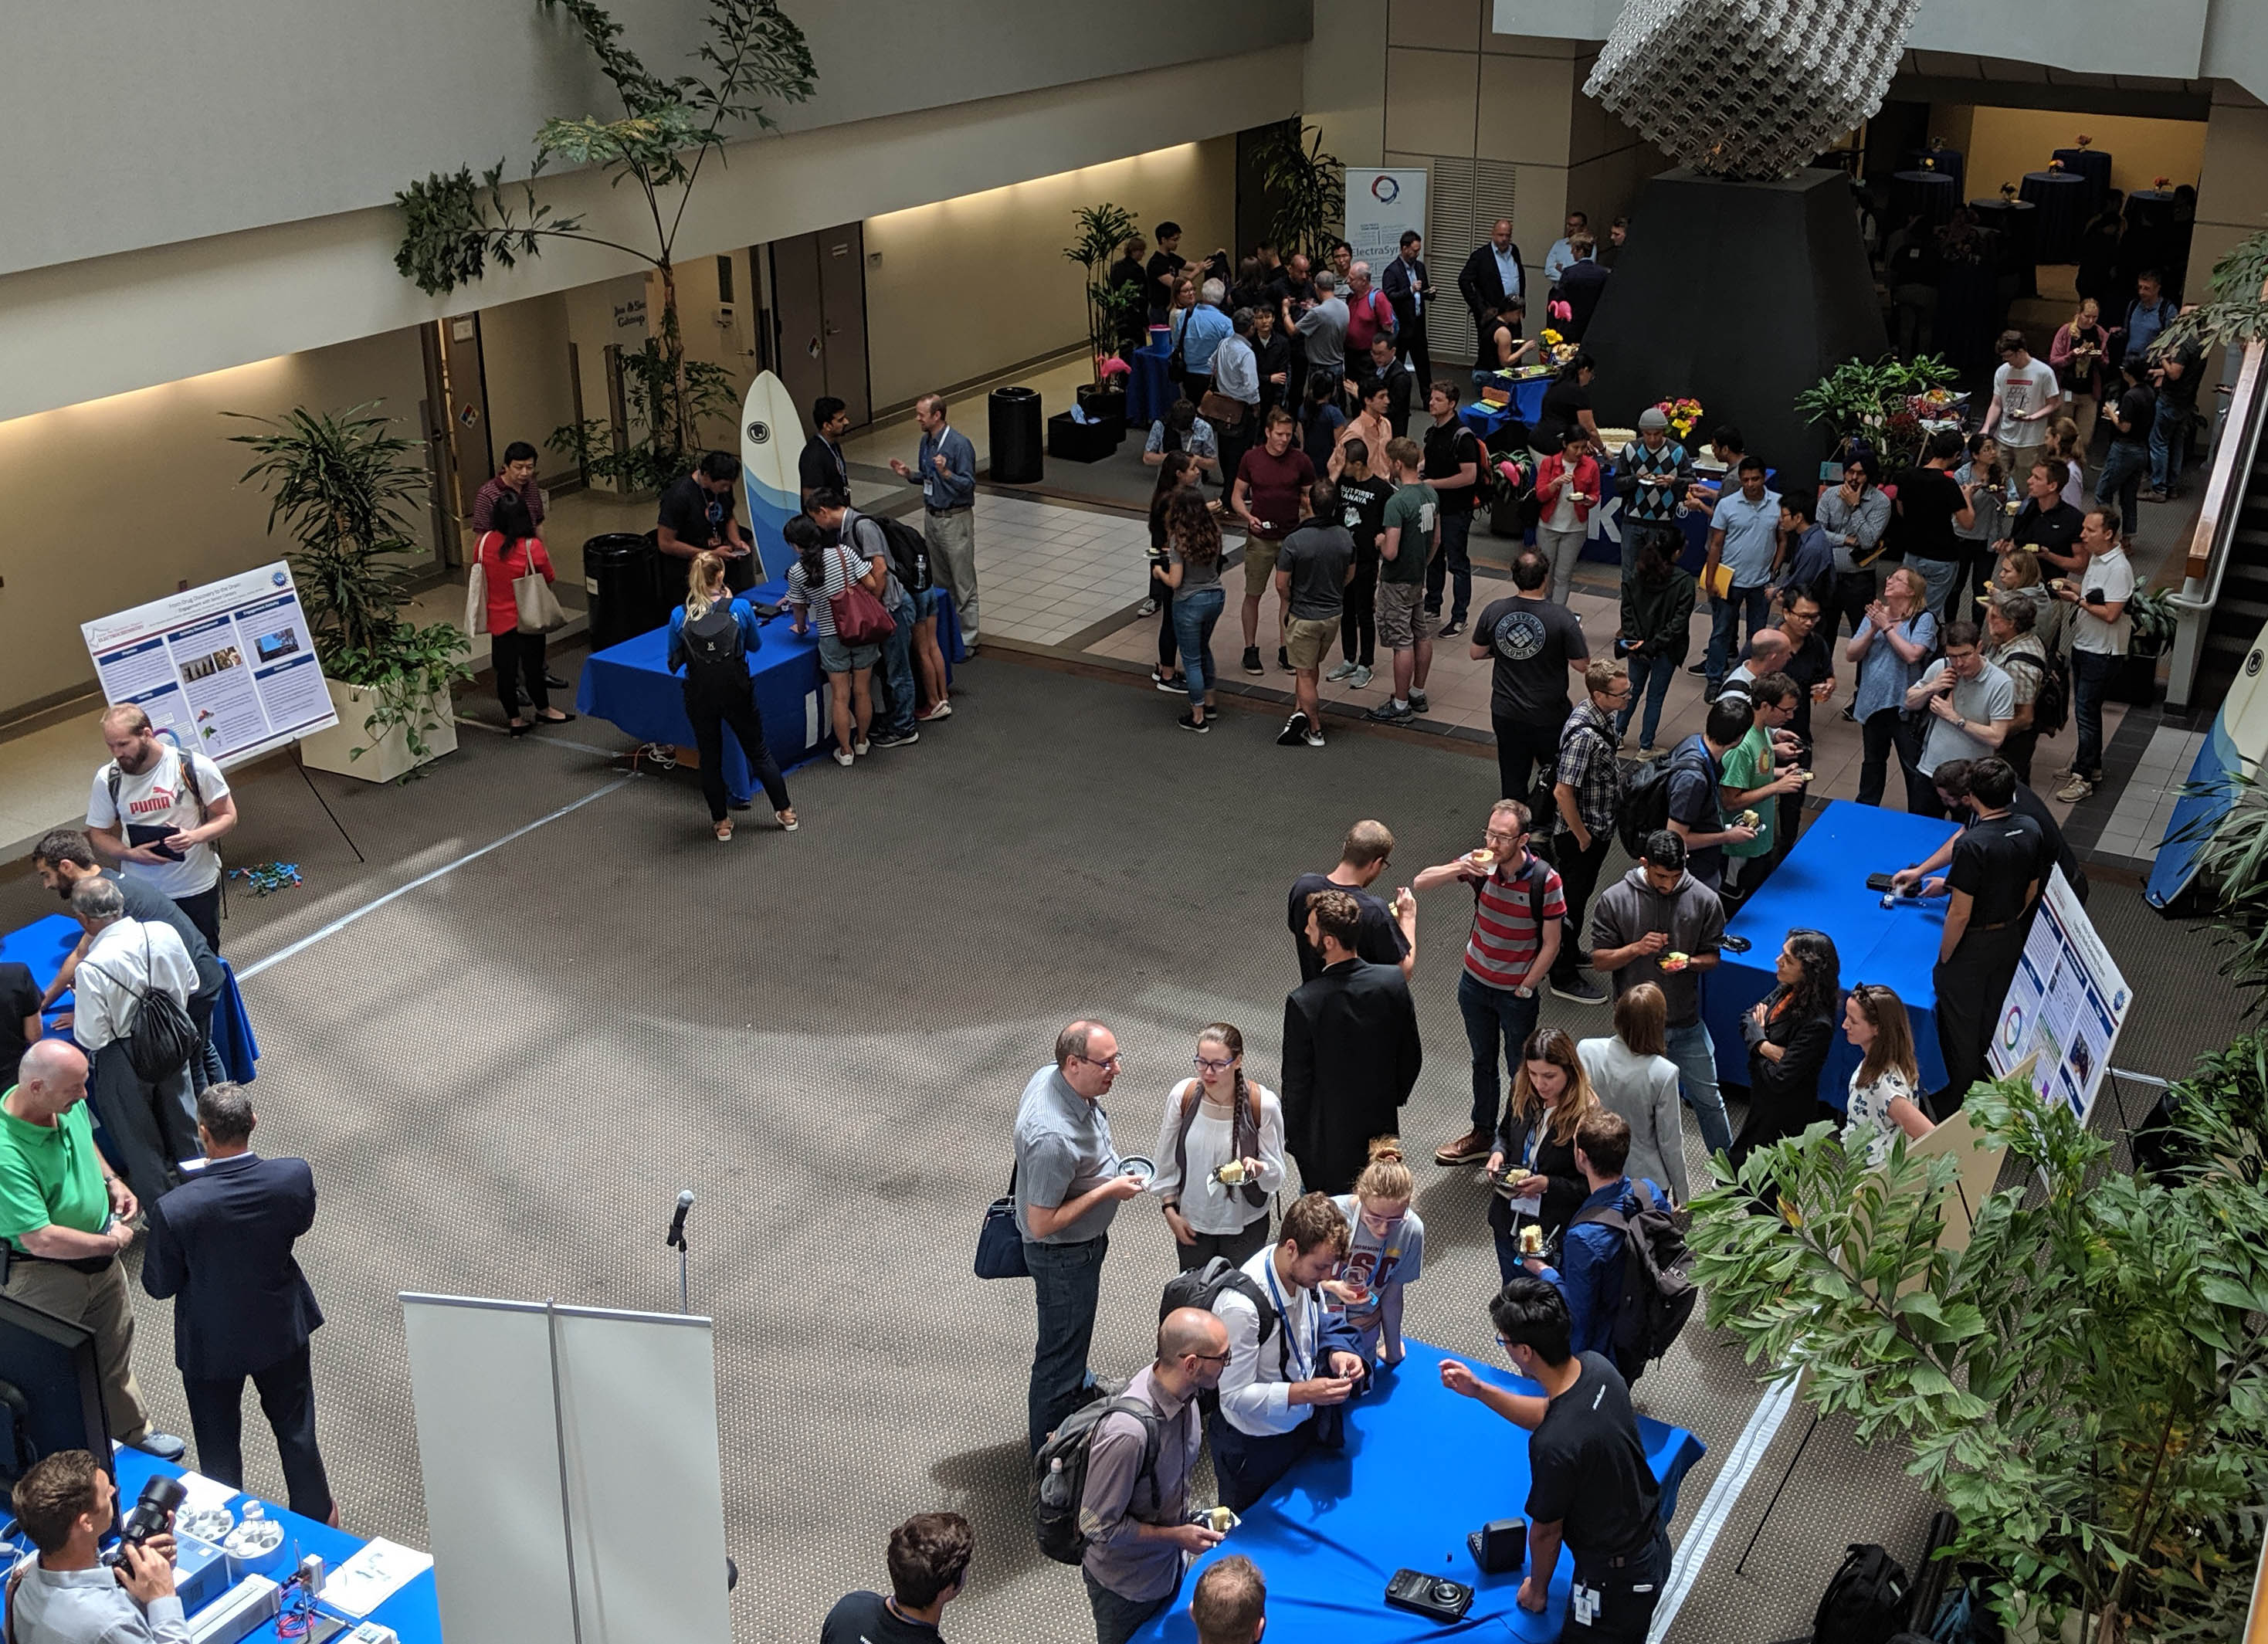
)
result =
(1554, 1160)
(1789, 1036)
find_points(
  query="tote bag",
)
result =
(538, 606)
(999, 1242)
(859, 618)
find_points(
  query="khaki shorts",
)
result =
(1402, 623)
(1260, 565)
(1309, 640)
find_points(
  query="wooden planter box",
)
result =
(387, 758)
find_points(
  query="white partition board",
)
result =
(636, 1512)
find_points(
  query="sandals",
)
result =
(787, 820)
(723, 830)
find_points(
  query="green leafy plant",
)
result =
(339, 482)
(1103, 230)
(2154, 620)
(2235, 312)
(1306, 187)
(1875, 403)
(455, 224)
(2233, 859)
(2083, 1385)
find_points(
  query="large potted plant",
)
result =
(1103, 230)
(339, 482)
(2085, 1384)
(1305, 187)
(1880, 405)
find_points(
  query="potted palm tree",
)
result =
(1103, 230)
(341, 483)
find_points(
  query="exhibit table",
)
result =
(1933, 194)
(1526, 406)
(2151, 210)
(1822, 887)
(629, 686)
(44, 945)
(2064, 199)
(413, 1612)
(1422, 1468)
(2091, 165)
(1150, 392)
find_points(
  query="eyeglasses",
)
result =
(1210, 1357)
(1510, 835)
(1207, 1065)
(1113, 1060)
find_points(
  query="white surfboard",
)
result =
(2237, 743)
(772, 440)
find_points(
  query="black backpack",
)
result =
(1867, 1601)
(1059, 1472)
(162, 1038)
(909, 553)
(2051, 701)
(715, 651)
(1646, 800)
(1658, 1293)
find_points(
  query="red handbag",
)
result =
(859, 618)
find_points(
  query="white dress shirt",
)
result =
(1256, 1390)
(128, 957)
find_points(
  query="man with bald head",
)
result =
(1068, 1186)
(1137, 1522)
(64, 1218)
(1768, 651)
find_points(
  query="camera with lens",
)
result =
(152, 1514)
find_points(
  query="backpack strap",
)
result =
(1189, 1097)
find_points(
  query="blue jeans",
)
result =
(1493, 1014)
(1118, 1618)
(2124, 465)
(1195, 613)
(1724, 618)
(898, 667)
(2090, 677)
(1652, 675)
(1696, 1056)
(1941, 577)
(1450, 565)
(2170, 433)
(1066, 1279)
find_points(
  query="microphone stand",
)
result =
(677, 1238)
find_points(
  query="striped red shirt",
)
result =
(1504, 939)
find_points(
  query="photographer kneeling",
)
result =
(67, 1504)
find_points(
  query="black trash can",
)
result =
(1017, 436)
(618, 577)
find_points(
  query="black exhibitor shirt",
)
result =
(1362, 510)
(19, 999)
(1160, 294)
(1587, 1468)
(1448, 447)
(820, 467)
(1995, 860)
(1378, 939)
(695, 514)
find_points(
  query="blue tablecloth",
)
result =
(1150, 394)
(2093, 165)
(1932, 192)
(2064, 199)
(414, 1612)
(1422, 1468)
(630, 686)
(1526, 404)
(1952, 162)
(44, 944)
(1822, 886)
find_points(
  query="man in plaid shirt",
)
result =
(1587, 787)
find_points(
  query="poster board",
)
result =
(228, 670)
(2065, 1006)
(1382, 205)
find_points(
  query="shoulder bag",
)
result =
(999, 1242)
(538, 606)
(476, 595)
(859, 618)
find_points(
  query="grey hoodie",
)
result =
(1691, 914)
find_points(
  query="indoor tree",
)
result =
(339, 482)
(455, 224)
(1306, 189)
(1875, 403)
(1103, 230)
(2234, 311)
(2086, 1384)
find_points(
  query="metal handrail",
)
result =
(2232, 474)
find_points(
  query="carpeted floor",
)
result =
(504, 1076)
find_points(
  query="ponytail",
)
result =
(704, 586)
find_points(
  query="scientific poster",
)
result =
(2067, 1003)
(1381, 207)
(229, 669)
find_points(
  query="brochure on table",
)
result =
(228, 670)
(2066, 1004)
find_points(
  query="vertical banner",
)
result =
(1381, 207)
(2065, 1006)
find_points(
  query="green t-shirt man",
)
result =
(49, 1175)
(1415, 509)
(1750, 765)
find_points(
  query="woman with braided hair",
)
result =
(1221, 1155)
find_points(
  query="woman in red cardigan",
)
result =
(1566, 487)
(508, 552)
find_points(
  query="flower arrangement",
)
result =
(2055, 165)
(2161, 183)
(2007, 191)
(1685, 416)
(1557, 350)
(2084, 141)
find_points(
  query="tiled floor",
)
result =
(2145, 804)
(1048, 572)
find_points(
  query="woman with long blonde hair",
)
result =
(710, 637)
(2078, 353)
(1386, 1250)
(1533, 1164)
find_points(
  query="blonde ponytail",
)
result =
(705, 586)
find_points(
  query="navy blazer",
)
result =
(221, 1243)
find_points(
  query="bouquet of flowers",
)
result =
(2084, 140)
(2055, 165)
(1684, 416)
(2007, 191)
(2161, 183)
(1557, 350)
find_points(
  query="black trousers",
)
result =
(1851, 592)
(1247, 1467)
(519, 656)
(1234, 442)
(1239, 1247)
(1579, 877)
(2017, 749)
(1627, 1596)
(710, 714)
(287, 1398)
(150, 1128)
(1971, 987)
(1421, 362)
(203, 909)
(1521, 745)
(1880, 734)
(1168, 646)
(1358, 621)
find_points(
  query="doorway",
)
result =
(819, 318)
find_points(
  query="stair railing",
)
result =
(2234, 455)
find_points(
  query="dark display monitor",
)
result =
(50, 1390)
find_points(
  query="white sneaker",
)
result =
(2075, 790)
(862, 748)
(1358, 680)
(1314, 735)
(1343, 671)
(842, 758)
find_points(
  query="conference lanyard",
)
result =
(1305, 1364)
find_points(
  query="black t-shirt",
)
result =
(1379, 939)
(1561, 400)
(1995, 860)
(19, 996)
(697, 515)
(1284, 291)
(1587, 1472)
(2136, 409)
(2055, 527)
(867, 1618)
(2028, 804)
(1448, 447)
(2180, 392)
(820, 467)
(1362, 510)
(1928, 499)
(1492, 353)
(1161, 297)
(1809, 664)
(1531, 643)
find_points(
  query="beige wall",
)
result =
(959, 290)
(118, 501)
(524, 356)
(2001, 144)
(2231, 182)
(1343, 90)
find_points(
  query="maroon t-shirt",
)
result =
(1274, 486)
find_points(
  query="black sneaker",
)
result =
(1294, 731)
(1699, 670)
(1283, 659)
(1450, 630)
(1190, 722)
(896, 738)
(1418, 702)
(1390, 712)
(1577, 990)
(1252, 660)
